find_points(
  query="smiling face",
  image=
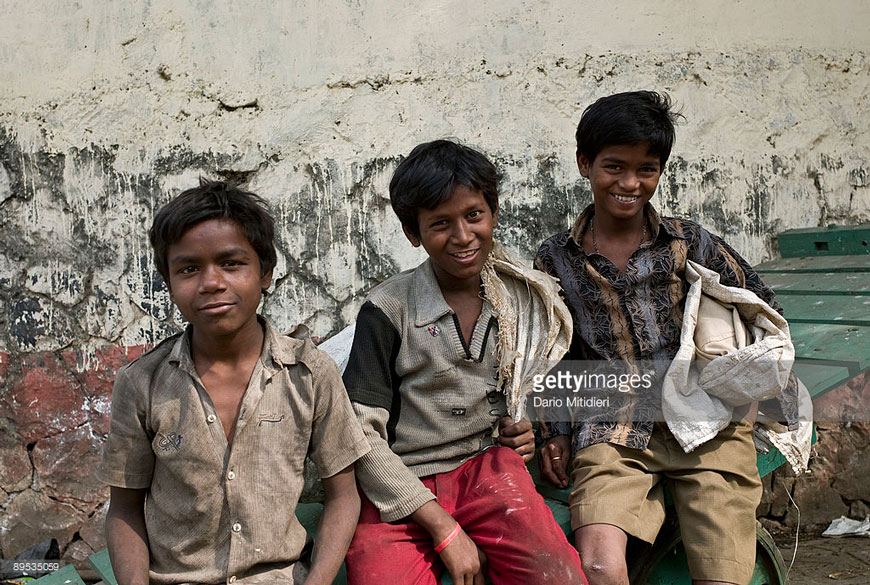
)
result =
(457, 235)
(215, 280)
(623, 179)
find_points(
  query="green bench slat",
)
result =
(309, 515)
(832, 283)
(64, 576)
(841, 309)
(816, 264)
(845, 345)
(832, 240)
(103, 567)
(819, 377)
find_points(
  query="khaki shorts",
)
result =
(715, 489)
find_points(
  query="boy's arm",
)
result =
(555, 453)
(518, 436)
(712, 252)
(126, 536)
(373, 386)
(392, 488)
(335, 531)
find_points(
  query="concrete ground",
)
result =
(838, 561)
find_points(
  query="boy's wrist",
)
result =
(435, 520)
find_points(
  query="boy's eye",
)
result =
(475, 213)
(187, 270)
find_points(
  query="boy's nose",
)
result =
(629, 181)
(211, 280)
(462, 234)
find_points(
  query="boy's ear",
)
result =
(266, 281)
(584, 164)
(495, 215)
(412, 237)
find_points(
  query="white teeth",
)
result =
(625, 199)
(464, 254)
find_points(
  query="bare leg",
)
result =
(602, 553)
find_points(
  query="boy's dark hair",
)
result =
(214, 200)
(428, 176)
(633, 117)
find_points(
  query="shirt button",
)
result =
(231, 475)
(237, 527)
(211, 418)
(233, 579)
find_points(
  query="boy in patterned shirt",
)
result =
(622, 271)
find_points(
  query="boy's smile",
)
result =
(623, 179)
(215, 280)
(457, 235)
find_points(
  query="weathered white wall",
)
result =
(109, 108)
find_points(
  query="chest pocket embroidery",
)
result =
(170, 441)
(269, 418)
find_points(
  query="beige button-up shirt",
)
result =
(216, 514)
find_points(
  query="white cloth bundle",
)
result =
(720, 365)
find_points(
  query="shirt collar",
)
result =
(656, 222)
(282, 353)
(180, 354)
(272, 346)
(429, 303)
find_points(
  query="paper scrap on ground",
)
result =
(843, 526)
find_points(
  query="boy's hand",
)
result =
(554, 460)
(464, 561)
(518, 436)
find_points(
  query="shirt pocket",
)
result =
(281, 449)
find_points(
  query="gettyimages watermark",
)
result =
(575, 390)
(626, 391)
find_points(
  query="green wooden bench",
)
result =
(822, 282)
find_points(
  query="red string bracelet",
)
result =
(448, 539)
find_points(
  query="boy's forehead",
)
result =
(642, 150)
(460, 196)
(217, 236)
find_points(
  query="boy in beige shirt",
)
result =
(210, 429)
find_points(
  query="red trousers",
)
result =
(493, 498)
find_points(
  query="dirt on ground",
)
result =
(834, 561)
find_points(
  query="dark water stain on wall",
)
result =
(524, 224)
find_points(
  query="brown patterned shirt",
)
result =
(637, 315)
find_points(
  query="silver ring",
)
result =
(554, 458)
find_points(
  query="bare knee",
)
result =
(605, 571)
(602, 554)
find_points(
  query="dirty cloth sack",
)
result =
(734, 349)
(534, 324)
